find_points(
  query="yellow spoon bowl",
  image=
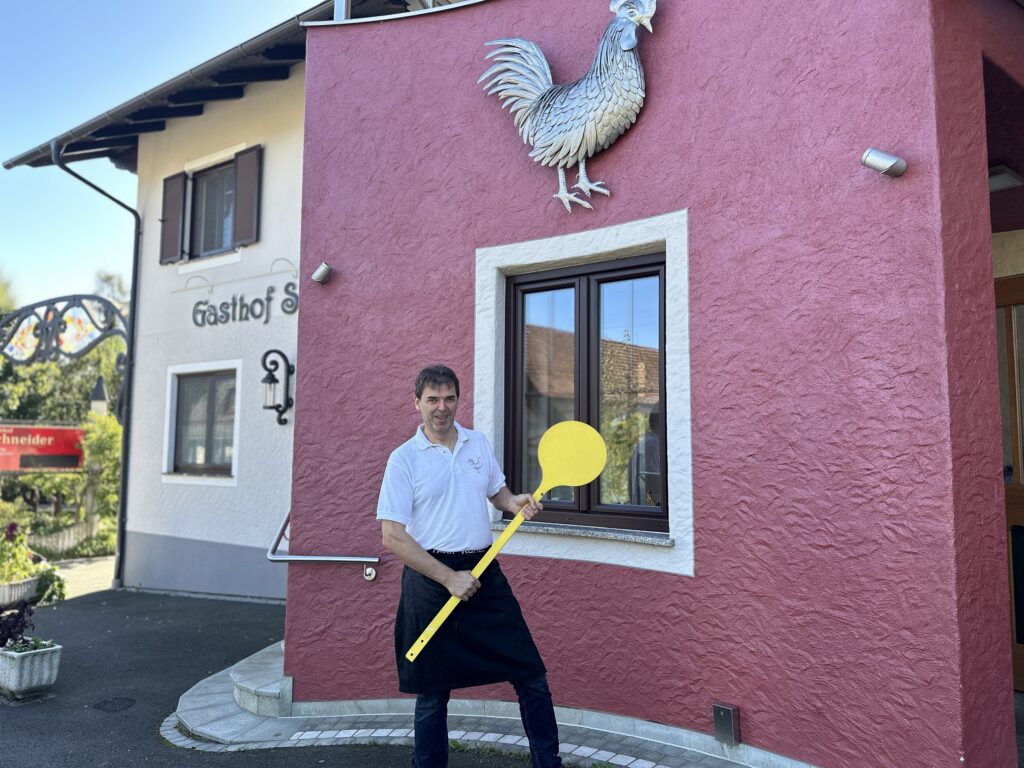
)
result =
(570, 453)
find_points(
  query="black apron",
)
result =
(485, 640)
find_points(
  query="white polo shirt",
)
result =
(439, 496)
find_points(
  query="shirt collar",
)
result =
(423, 443)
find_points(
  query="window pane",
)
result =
(1018, 349)
(1004, 397)
(214, 210)
(629, 406)
(190, 435)
(549, 375)
(222, 443)
(204, 439)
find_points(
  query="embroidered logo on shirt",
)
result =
(476, 464)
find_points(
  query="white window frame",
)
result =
(343, 13)
(168, 475)
(668, 233)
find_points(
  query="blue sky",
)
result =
(66, 66)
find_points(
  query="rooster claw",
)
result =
(568, 198)
(586, 187)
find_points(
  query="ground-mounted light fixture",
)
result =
(1002, 177)
(883, 162)
(271, 402)
(727, 723)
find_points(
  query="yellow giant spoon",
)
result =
(570, 453)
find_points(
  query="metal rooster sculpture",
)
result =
(566, 124)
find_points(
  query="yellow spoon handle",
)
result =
(489, 555)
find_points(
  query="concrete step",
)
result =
(260, 686)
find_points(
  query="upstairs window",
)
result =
(587, 343)
(211, 211)
(370, 9)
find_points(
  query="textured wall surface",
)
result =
(964, 33)
(848, 564)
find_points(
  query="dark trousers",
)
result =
(431, 749)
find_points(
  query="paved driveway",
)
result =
(127, 657)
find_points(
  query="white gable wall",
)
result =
(206, 534)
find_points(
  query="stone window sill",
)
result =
(651, 538)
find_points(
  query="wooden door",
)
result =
(1010, 339)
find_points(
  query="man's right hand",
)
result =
(462, 585)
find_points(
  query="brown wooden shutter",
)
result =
(247, 195)
(172, 219)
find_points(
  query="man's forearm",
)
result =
(406, 548)
(503, 500)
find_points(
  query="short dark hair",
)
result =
(436, 376)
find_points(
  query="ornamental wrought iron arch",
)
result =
(64, 328)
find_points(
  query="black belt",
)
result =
(463, 552)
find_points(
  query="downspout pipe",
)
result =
(127, 385)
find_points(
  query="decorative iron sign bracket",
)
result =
(67, 327)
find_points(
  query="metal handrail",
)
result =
(368, 573)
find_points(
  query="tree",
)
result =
(58, 392)
(7, 302)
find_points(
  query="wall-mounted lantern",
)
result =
(99, 399)
(271, 402)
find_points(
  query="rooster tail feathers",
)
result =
(519, 75)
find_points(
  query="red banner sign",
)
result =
(33, 449)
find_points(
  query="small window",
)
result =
(369, 9)
(588, 344)
(205, 424)
(213, 210)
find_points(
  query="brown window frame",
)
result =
(585, 280)
(178, 212)
(217, 470)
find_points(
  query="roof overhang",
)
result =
(115, 134)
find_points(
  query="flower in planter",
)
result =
(13, 627)
(28, 665)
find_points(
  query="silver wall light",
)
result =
(883, 162)
(270, 382)
(321, 273)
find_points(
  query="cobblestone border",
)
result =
(575, 754)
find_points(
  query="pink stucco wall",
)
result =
(850, 593)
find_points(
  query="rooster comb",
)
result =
(616, 4)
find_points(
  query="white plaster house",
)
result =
(218, 155)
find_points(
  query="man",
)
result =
(434, 517)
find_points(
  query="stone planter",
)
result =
(22, 674)
(13, 592)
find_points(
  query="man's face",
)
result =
(437, 406)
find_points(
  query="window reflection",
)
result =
(550, 372)
(213, 222)
(205, 423)
(630, 392)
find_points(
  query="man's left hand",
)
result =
(526, 504)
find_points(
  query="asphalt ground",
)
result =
(127, 658)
